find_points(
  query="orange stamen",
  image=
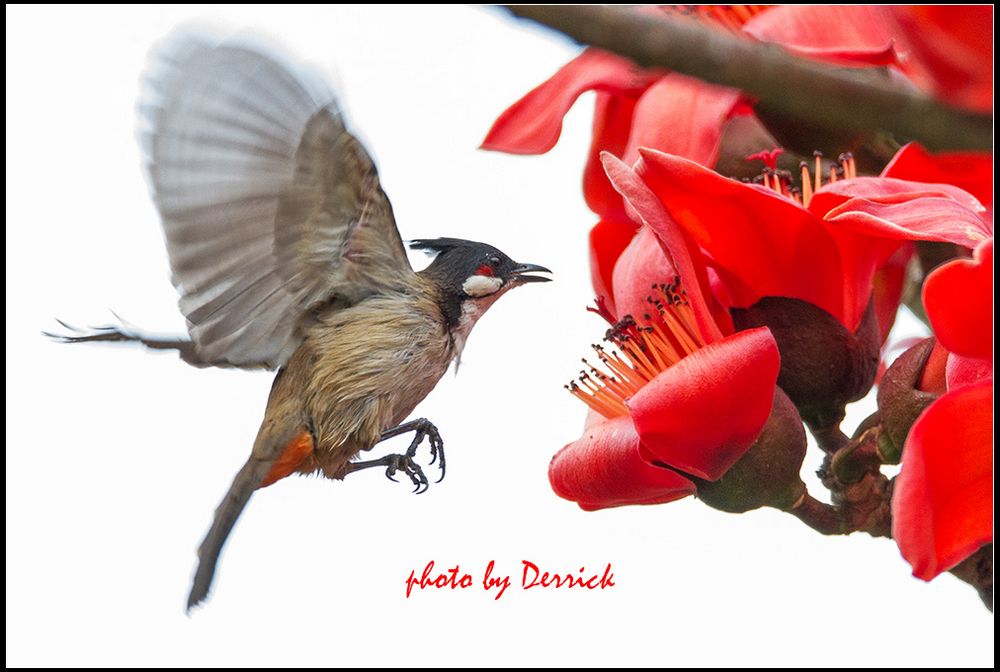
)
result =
(818, 176)
(807, 192)
(642, 352)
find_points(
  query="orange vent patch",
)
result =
(297, 450)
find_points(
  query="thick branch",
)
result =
(841, 100)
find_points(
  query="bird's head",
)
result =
(474, 275)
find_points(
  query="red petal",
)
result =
(887, 289)
(952, 51)
(959, 301)
(532, 125)
(933, 379)
(677, 414)
(641, 265)
(833, 195)
(608, 239)
(942, 505)
(845, 34)
(644, 207)
(602, 469)
(683, 116)
(913, 217)
(766, 241)
(961, 371)
(971, 171)
(612, 125)
(868, 232)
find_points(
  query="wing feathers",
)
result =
(269, 205)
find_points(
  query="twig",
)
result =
(823, 518)
(841, 100)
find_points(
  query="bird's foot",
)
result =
(396, 463)
(422, 428)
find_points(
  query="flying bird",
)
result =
(286, 256)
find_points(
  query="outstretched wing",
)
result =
(270, 207)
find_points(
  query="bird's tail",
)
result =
(279, 450)
(123, 333)
(226, 514)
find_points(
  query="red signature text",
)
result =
(532, 576)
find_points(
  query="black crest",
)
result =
(441, 245)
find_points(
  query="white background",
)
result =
(116, 457)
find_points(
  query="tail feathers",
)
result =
(127, 334)
(226, 515)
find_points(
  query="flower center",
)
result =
(641, 351)
(782, 181)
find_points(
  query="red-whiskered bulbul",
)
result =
(286, 256)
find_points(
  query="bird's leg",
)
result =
(422, 428)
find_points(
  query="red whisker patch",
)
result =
(485, 270)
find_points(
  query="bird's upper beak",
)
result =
(517, 275)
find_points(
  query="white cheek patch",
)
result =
(481, 285)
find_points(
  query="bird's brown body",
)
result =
(346, 397)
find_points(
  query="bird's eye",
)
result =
(495, 262)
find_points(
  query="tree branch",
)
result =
(841, 100)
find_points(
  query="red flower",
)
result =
(670, 112)
(660, 397)
(769, 244)
(942, 505)
(804, 264)
(971, 171)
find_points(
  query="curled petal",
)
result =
(970, 171)
(913, 217)
(532, 125)
(959, 301)
(677, 414)
(887, 189)
(644, 208)
(641, 265)
(942, 505)
(849, 34)
(603, 469)
(765, 241)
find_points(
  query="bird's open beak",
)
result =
(517, 275)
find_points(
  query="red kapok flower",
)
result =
(788, 259)
(659, 392)
(773, 243)
(668, 111)
(942, 506)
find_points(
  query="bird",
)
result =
(286, 256)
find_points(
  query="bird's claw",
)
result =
(421, 428)
(436, 445)
(406, 464)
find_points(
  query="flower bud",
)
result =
(768, 474)
(823, 366)
(900, 399)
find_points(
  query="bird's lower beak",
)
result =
(518, 274)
